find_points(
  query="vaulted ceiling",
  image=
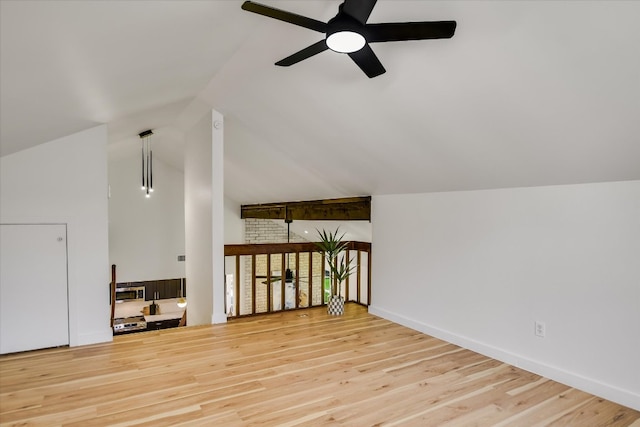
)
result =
(526, 93)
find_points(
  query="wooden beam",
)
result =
(263, 211)
(344, 209)
(278, 248)
(269, 248)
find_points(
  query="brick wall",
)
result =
(268, 231)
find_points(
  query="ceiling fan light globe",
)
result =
(345, 41)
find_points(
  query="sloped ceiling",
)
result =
(525, 94)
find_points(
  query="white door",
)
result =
(34, 309)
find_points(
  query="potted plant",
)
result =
(332, 246)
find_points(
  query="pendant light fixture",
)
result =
(288, 273)
(147, 162)
(182, 302)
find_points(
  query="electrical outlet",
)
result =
(540, 329)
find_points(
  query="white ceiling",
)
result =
(525, 94)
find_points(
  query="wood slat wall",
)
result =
(287, 369)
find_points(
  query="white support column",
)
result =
(217, 226)
(198, 221)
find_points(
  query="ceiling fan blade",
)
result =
(392, 32)
(285, 16)
(305, 53)
(359, 9)
(368, 61)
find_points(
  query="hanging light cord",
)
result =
(288, 274)
(147, 162)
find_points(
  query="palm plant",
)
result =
(339, 267)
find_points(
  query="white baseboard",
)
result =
(589, 385)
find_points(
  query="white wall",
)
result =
(218, 217)
(65, 181)
(479, 268)
(205, 220)
(146, 235)
(233, 234)
(233, 224)
(198, 223)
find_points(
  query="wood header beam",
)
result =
(281, 248)
(345, 209)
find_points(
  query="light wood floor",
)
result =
(289, 369)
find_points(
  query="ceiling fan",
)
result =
(348, 32)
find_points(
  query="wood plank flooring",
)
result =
(297, 368)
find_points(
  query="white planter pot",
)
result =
(335, 306)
